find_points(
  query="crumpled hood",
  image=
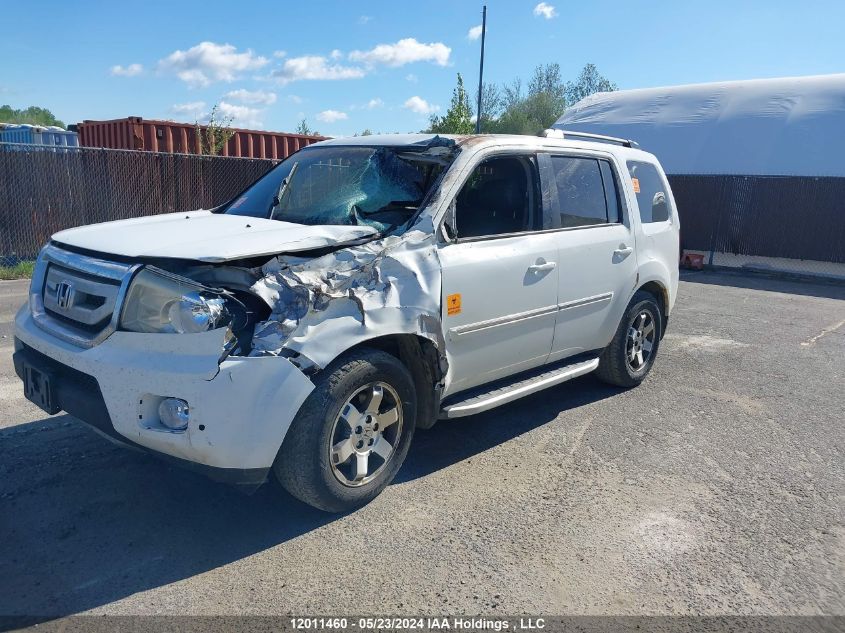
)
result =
(207, 237)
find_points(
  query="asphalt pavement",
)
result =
(717, 487)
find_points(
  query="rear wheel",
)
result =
(627, 360)
(352, 434)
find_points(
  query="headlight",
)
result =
(158, 301)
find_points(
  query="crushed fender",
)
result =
(324, 305)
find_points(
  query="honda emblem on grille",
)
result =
(64, 294)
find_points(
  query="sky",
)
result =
(380, 65)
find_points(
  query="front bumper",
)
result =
(240, 409)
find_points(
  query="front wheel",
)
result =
(352, 434)
(626, 361)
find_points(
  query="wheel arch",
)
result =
(422, 357)
(661, 293)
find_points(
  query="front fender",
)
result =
(333, 334)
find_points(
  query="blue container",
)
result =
(38, 135)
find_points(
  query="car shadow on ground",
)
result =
(452, 441)
(85, 523)
(810, 287)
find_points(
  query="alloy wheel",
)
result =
(365, 434)
(639, 343)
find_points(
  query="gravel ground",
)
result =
(717, 487)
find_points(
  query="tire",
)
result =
(618, 364)
(364, 403)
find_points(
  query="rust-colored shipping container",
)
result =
(181, 138)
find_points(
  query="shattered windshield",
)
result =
(381, 187)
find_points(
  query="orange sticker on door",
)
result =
(636, 182)
(453, 304)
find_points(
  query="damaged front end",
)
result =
(308, 309)
(327, 304)
(310, 306)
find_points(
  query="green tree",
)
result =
(214, 135)
(303, 128)
(33, 115)
(547, 80)
(546, 99)
(533, 113)
(538, 109)
(458, 118)
(492, 104)
(589, 82)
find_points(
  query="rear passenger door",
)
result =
(596, 249)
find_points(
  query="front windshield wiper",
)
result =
(392, 207)
(284, 188)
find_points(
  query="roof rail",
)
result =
(601, 138)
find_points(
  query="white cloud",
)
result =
(314, 67)
(257, 97)
(294, 98)
(127, 71)
(208, 62)
(405, 51)
(474, 33)
(420, 105)
(365, 19)
(374, 103)
(193, 110)
(336, 54)
(280, 54)
(242, 116)
(412, 78)
(545, 10)
(330, 116)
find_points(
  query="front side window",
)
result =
(586, 191)
(380, 187)
(650, 189)
(498, 198)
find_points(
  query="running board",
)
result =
(478, 402)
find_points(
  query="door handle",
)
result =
(623, 251)
(538, 268)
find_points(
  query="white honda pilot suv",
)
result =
(361, 289)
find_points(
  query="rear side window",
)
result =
(586, 191)
(650, 189)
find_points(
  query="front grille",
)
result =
(83, 300)
(78, 297)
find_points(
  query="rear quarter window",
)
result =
(650, 189)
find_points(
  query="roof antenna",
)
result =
(481, 70)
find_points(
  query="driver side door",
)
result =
(499, 276)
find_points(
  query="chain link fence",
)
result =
(45, 189)
(784, 224)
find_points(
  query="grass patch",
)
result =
(21, 270)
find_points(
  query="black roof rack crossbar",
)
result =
(594, 137)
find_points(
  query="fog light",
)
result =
(174, 414)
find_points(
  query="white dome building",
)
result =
(757, 166)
